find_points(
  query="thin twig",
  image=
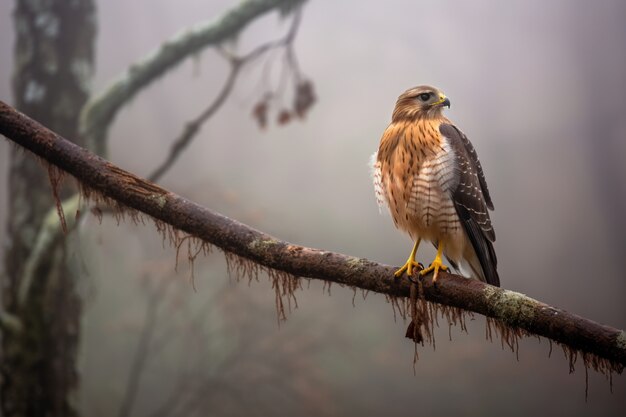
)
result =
(193, 127)
(236, 64)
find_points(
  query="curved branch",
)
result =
(49, 232)
(512, 309)
(193, 127)
(100, 111)
(236, 64)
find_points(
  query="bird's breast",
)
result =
(417, 175)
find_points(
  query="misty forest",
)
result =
(188, 223)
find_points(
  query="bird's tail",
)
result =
(482, 269)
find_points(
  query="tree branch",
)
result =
(512, 309)
(193, 127)
(49, 232)
(100, 111)
(236, 64)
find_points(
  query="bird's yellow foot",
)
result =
(408, 267)
(410, 263)
(436, 265)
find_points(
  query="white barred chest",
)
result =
(421, 203)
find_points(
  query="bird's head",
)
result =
(420, 102)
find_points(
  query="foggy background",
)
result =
(539, 88)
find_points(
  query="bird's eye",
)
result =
(424, 96)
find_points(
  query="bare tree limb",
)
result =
(193, 127)
(100, 111)
(49, 232)
(512, 309)
(236, 64)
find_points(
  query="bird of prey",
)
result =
(427, 173)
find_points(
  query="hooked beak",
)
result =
(443, 101)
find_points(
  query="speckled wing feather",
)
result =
(479, 169)
(472, 201)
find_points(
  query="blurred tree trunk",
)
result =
(53, 67)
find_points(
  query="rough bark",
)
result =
(53, 66)
(601, 346)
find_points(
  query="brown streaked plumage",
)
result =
(427, 173)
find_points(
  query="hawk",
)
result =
(427, 173)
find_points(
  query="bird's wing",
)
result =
(472, 201)
(377, 178)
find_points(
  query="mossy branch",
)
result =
(601, 346)
(99, 112)
(50, 231)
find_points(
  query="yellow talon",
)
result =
(436, 265)
(408, 267)
(410, 263)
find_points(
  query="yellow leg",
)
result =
(410, 263)
(436, 265)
